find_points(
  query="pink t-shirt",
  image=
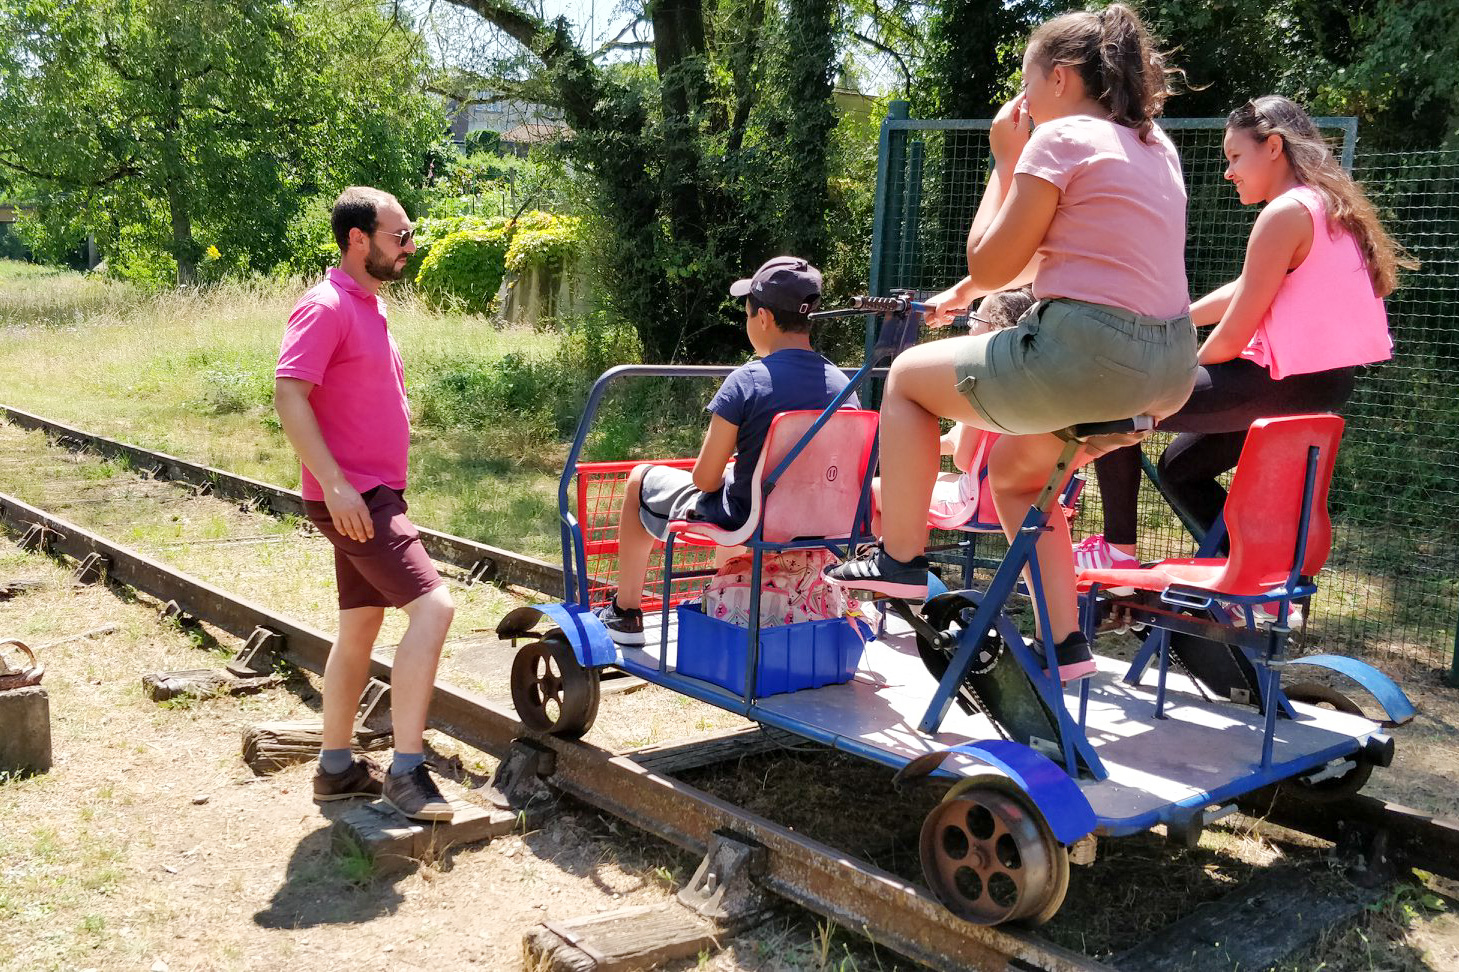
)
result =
(337, 340)
(1325, 315)
(1118, 236)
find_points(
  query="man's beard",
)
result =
(377, 266)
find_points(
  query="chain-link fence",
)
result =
(1391, 588)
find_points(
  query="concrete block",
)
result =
(25, 730)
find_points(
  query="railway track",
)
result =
(858, 896)
(822, 879)
(481, 561)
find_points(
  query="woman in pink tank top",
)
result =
(1290, 332)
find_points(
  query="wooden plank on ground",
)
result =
(395, 843)
(1267, 919)
(270, 746)
(203, 683)
(643, 937)
(681, 755)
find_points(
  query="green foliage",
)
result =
(465, 268)
(545, 241)
(467, 256)
(543, 391)
(166, 126)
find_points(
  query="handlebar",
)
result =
(896, 304)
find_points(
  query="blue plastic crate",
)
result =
(792, 656)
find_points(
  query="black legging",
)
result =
(1212, 424)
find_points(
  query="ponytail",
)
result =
(1313, 165)
(1116, 59)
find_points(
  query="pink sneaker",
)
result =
(1095, 553)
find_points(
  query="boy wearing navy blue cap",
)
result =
(786, 375)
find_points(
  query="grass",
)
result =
(190, 373)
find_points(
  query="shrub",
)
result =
(465, 268)
(543, 240)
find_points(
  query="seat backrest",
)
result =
(818, 493)
(1264, 505)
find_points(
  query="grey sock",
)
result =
(335, 760)
(405, 762)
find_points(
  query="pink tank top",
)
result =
(1325, 315)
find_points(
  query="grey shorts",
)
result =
(1069, 361)
(665, 494)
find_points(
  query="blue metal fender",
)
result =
(589, 639)
(1385, 690)
(935, 586)
(1051, 790)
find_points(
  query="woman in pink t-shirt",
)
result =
(1093, 202)
(1290, 332)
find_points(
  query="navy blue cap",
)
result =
(785, 283)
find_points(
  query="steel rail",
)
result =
(856, 895)
(484, 561)
(1420, 839)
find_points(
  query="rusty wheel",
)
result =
(990, 858)
(551, 690)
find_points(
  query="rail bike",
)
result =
(1210, 711)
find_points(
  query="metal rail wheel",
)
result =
(990, 858)
(1333, 787)
(551, 691)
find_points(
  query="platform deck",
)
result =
(1155, 765)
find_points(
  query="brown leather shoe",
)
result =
(363, 778)
(416, 795)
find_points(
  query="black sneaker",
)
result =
(362, 778)
(878, 573)
(416, 795)
(1073, 656)
(625, 625)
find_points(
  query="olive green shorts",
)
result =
(1068, 362)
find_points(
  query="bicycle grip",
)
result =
(881, 305)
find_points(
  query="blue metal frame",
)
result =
(1057, 796)
(1050, 786)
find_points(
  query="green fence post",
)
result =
(886, 226)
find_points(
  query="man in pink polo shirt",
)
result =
(340, 393)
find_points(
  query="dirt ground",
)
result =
(150, 845)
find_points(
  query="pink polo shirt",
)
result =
(338, 341)
(1118, 236)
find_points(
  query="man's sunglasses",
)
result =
(403, 237)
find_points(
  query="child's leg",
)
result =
(634, 543)
(876, 507)
(1189, 468)
(1018, 468)
(921, 388)
(1119, 491)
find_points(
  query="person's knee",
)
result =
(434, 607)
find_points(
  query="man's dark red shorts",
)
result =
(389, 570)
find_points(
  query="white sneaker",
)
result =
(1095, 553)
(1265, 614)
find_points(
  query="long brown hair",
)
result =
(1314, 166)
(1116, 59)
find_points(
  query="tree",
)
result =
(699, 166)
(168, 125)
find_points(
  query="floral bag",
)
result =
(792, 590)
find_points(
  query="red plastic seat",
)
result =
(816, 496)
(1263, 517)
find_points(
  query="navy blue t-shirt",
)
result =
(749, 398)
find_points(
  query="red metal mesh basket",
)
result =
(600, 500)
